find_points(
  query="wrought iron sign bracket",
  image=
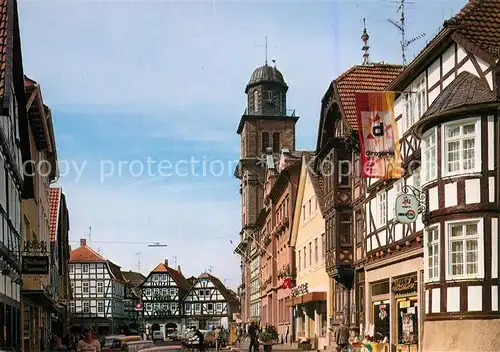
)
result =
(36, 247)
(421, 197)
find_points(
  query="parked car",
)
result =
(135, 346)
(158, 336)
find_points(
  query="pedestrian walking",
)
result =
(88, 343)
(201, 340)
(253, 331)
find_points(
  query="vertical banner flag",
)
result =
(378, 135)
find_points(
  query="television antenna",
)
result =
(210, 268)
(157, 244)
(175, 261)
(401, 26)
(139, 267)
(90, 236)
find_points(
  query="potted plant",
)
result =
(268, 337)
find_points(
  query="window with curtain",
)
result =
(432, 248)
(464, 242)
(461, 144)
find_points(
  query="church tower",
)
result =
(265, 127)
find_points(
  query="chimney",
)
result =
(83, 242)
(166, 262)
(179, 269)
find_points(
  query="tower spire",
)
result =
(366, 47)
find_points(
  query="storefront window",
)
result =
(407, 313)
(382, 320)
(323, 319)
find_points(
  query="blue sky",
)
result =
(129, 81)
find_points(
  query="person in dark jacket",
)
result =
(201, 340)
(253, 331)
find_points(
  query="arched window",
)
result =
(255, 101)
(276, 142)
(265, 141)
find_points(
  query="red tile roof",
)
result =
(374, 77)
(479, 23)
(178, 277)
(85, 254)
(55, 202)
(3, 44)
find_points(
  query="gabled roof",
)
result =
(55, 203)
(479, 23)
(178, 277)
(135, 278)
(85, 254)
(475, 28)
(306, 171)
(224, 291)
(373, 77)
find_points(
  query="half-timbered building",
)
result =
(98, 291)
(460, 154)
(15, 183)
(132, 303)
(162, 293)
(343, 190)
(209, 303)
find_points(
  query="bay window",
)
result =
(432, 253)
(464, 246)
(429, 156)
(461, 147)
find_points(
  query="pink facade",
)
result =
(277, 271)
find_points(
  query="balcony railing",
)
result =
(288, 113)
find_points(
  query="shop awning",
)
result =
(307, 298)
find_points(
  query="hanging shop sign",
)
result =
(300, 290)
(35, 265)
(406, 208)
(404, 285)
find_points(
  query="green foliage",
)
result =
(269, 334)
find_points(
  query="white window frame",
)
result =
(411, 109)
(98, 290)
(382, 208)
(85, 268)
(101, 304)
(477, 147)
(86, 305)
(87, 286)
(425, 162)
(255, 102)
(480, 249)
(436, 244)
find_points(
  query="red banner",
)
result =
(378, 135)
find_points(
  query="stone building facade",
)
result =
(266, 123)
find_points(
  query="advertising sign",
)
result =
(35, 265)
(378, 135)
(406, 208)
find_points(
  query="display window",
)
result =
(407, 315)
(382, 320)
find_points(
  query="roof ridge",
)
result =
(97, 254)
